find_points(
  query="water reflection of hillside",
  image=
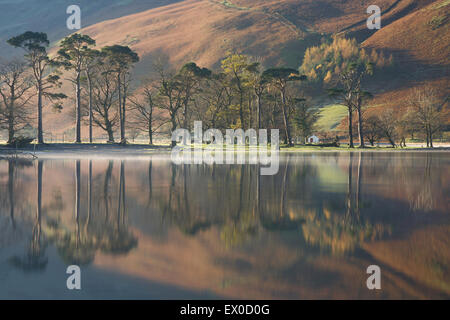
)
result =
(319, 209)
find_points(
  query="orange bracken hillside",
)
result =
(420, 43)
(279, 32)
(204, 30)
(422, 36)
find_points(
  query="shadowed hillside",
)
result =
(420, 43)
(50, 16)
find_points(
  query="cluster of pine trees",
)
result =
(240, 94)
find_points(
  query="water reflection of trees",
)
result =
(35, 258)
(419, 178)
(13, 204)
(322, 200)
(93, 225)
(75, 246)
(98, 229)
(241, 203)
(342, 230)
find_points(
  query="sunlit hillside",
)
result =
(277, 32)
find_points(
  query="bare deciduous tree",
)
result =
(104, 99)
(144, 112)
(15, 84)
(387, 123)
(427, 112)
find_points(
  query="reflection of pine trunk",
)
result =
(349, 190)
(39, 190)
(124, 199)
(121, 192)
(37, 226)
(283, 190)
(187, 212)
(77, 198)
(172, 186)
(358, 184)
(424, 198)
(150, 189)
(89, 195)
(11, 171)
(106, 188)
(258, 190)
(241, 183)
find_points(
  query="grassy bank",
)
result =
(299, 148)
(136, 150)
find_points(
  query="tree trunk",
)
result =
(124, 100)
(150, 133)
(78, 111)
(285, 118)
(241, 111)
(185, 116)
(11, 124)
(360, 127)
(90, 107)
(174, 127)
(10, 109)
(250, 111)
(350, 127)
(391, 141)
(40, 130)
(122, 133)
(259, 111)
(431, 138)
(110, 133)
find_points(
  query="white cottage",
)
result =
(313, 140)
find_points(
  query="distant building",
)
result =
(313, 140)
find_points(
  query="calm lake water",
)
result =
(152, 229)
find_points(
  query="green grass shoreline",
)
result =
(143, 149)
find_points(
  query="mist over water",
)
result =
(153, 229)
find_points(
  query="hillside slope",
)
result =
(203, 30)
(420, 43)
(415, 31)
(422, 36)
(17, 16)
